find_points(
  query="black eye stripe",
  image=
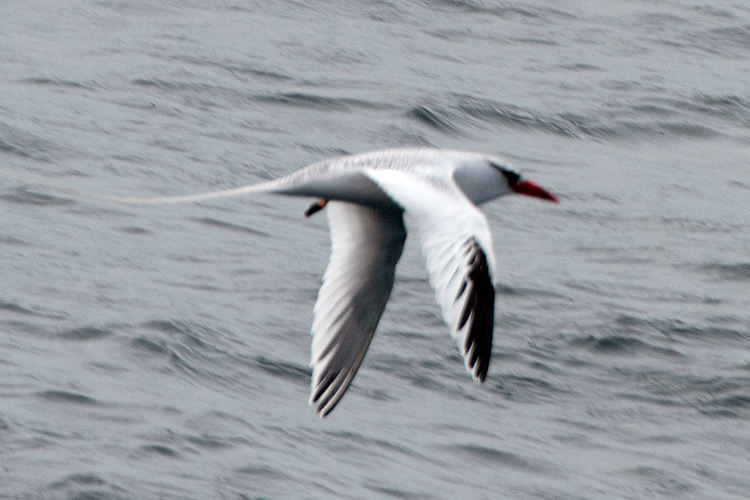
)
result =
(509, 174)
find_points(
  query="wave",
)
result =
(731, 272)
(696, 116)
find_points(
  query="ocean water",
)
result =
(161, 352)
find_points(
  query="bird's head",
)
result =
(518, 185)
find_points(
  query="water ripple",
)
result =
(731, 272)
(57, 396)
(56, 82)
(622, 345)
(697, 116)
(86, 486)
(313, 101)
(526, 389)
(85, 333)
(496, 457)
(220, 224)
(283, 369)
(25, 196)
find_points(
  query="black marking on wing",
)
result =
(479, 310)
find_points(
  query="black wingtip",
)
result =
(323, 386)
(328, 392)
(478, 312)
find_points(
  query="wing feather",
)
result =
(457, 246)
(366, 244)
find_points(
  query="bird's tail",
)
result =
(266, 187)
(35, 180)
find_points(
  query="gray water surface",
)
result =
(162, 351)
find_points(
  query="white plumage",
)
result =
(375, 198)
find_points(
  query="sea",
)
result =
(162, 351)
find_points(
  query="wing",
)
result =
(457, 246)
(365, 247)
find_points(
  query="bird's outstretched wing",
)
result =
(457, 246)
(366, 244)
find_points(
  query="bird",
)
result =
(372, 201)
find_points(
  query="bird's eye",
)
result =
(509, 174)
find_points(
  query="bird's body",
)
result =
(372, 200)
(345, 179)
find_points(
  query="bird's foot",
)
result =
(316, 207)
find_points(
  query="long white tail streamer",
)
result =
(35, 180)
